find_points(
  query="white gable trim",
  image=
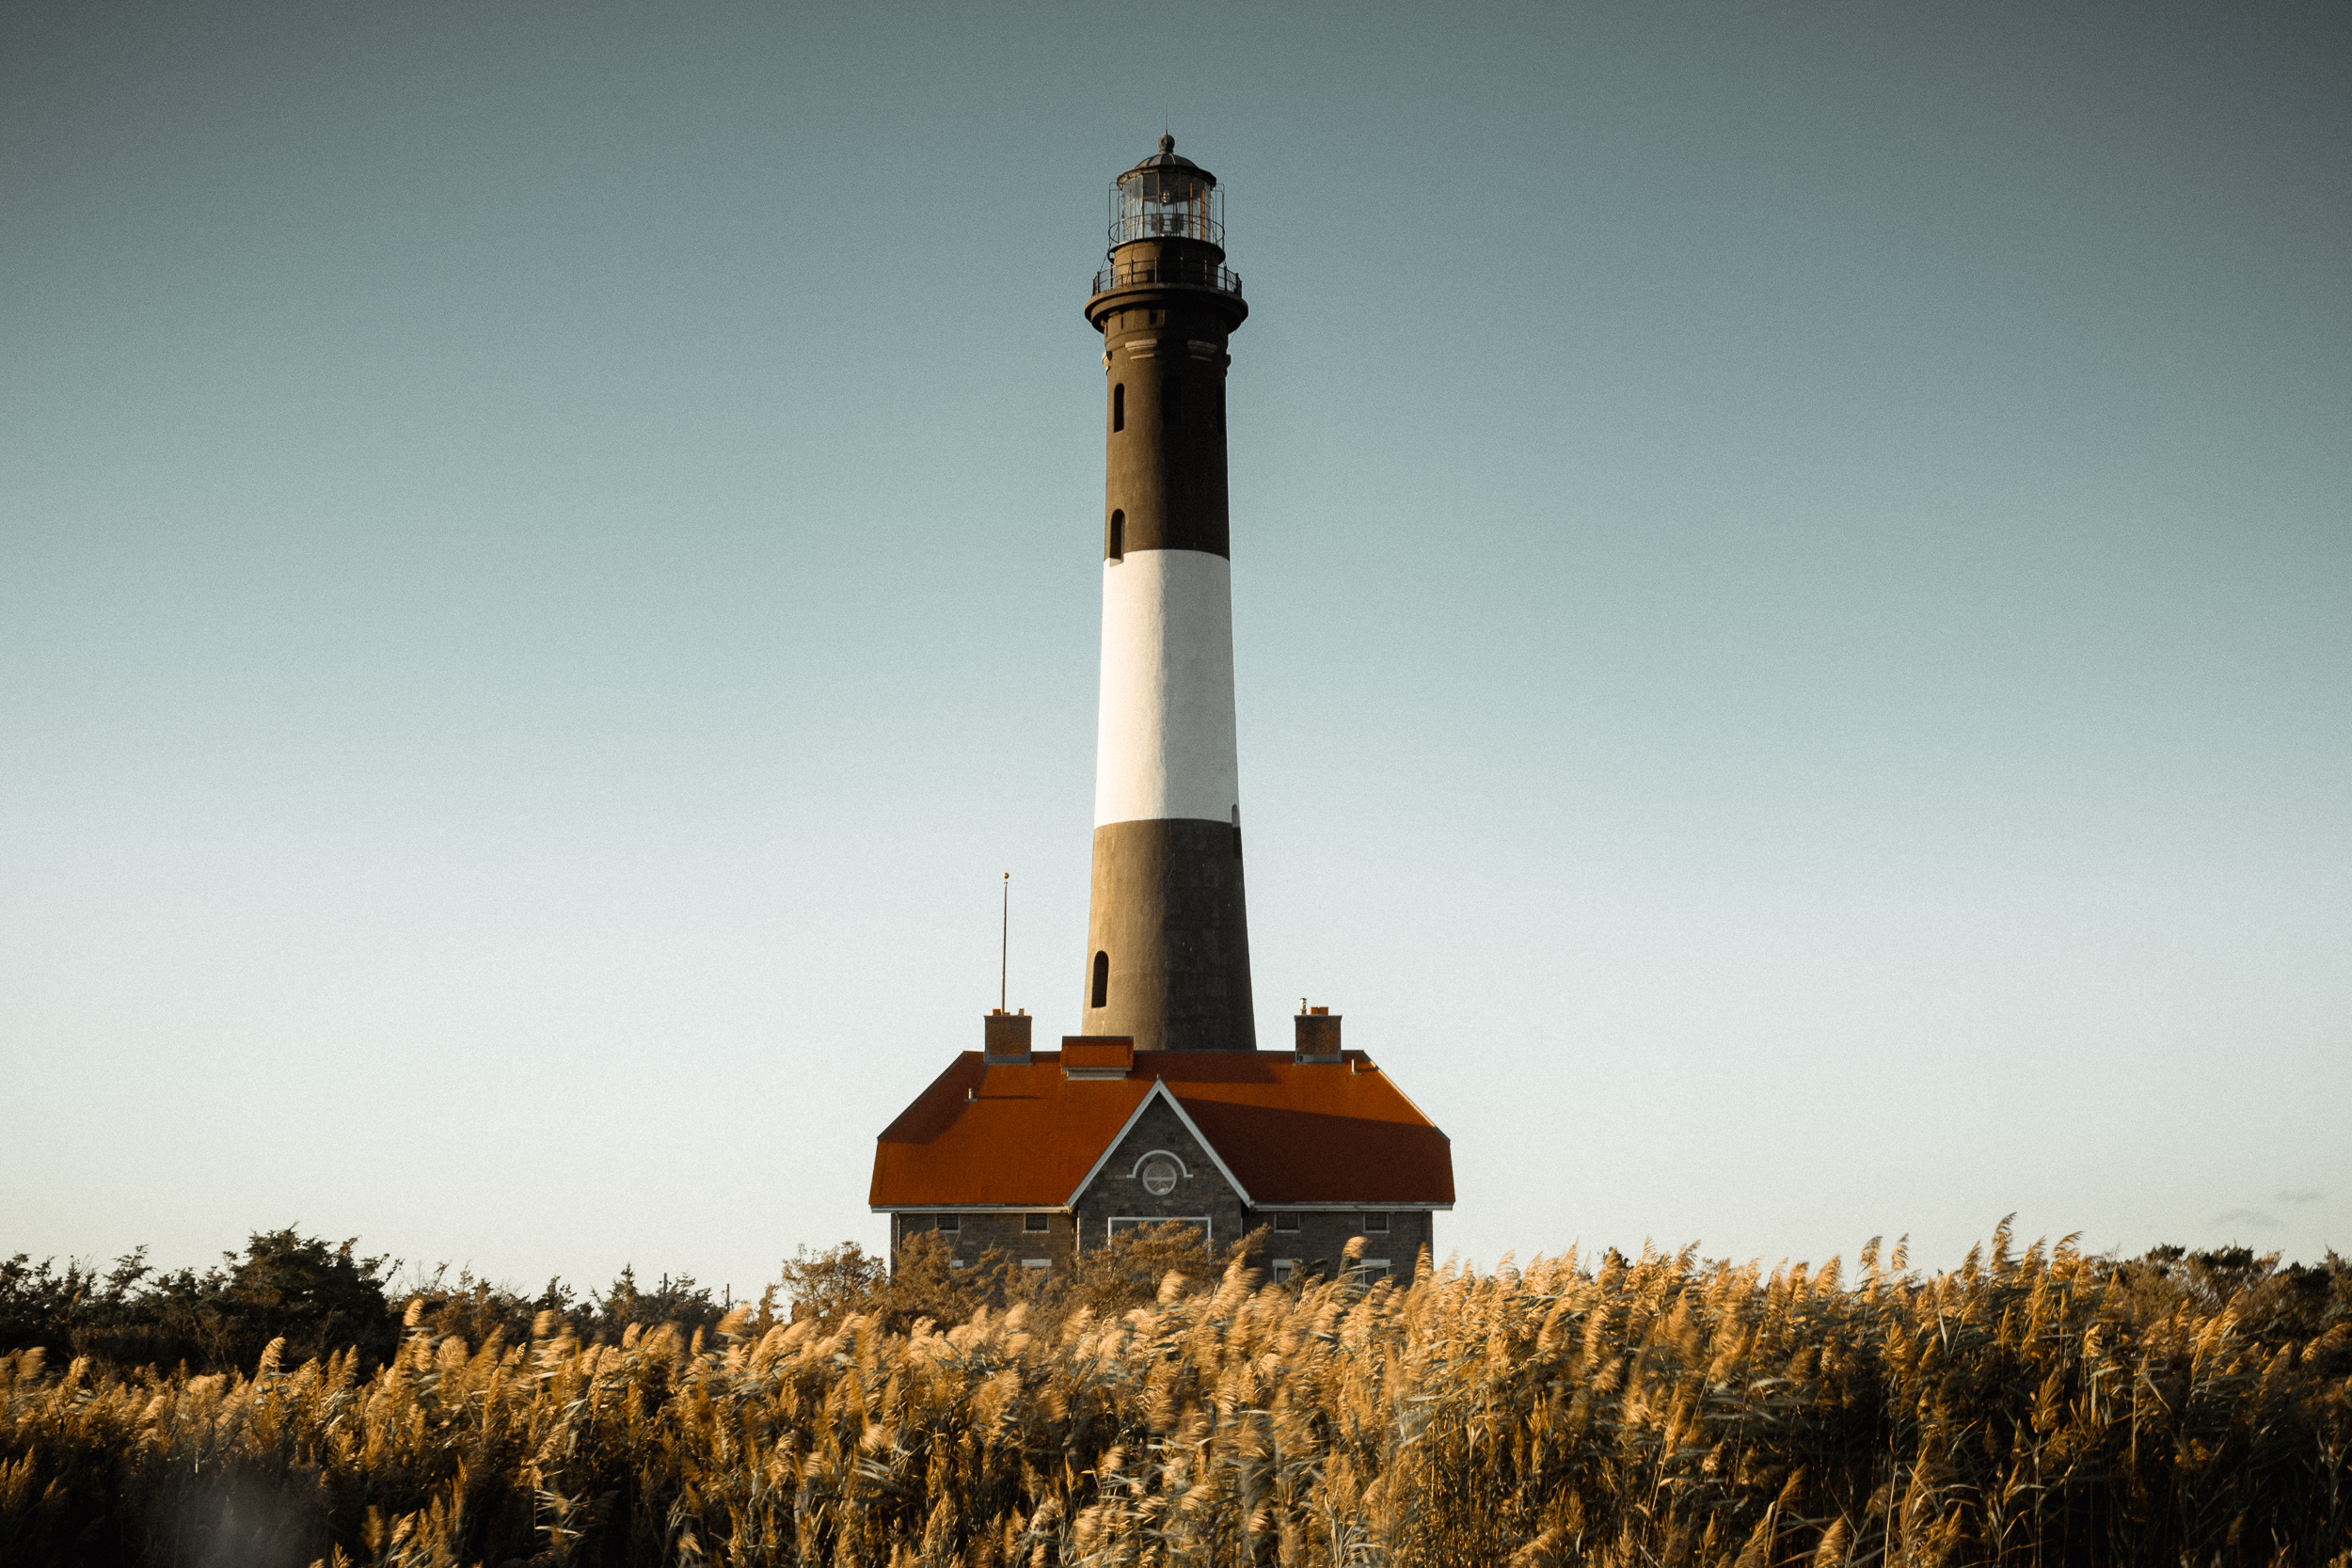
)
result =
(984, 1207)
(1116, 1139)
(1361, 1206)
(1159, 1090)
(1202, 1139)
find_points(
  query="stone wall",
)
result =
(1116, 1192)
(1320, 1243)
(977, 1233)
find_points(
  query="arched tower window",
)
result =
(1118, 406)
(1115, 538)
(1102, 979)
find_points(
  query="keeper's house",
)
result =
(1044, 1155)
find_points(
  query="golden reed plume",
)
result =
(2043, 1409)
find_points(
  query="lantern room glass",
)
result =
(1167, 203)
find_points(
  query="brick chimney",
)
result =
(1318, 1034)
(1007, 1039)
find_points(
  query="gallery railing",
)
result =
(1167, 269)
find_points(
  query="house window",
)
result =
(1285, 1224)
(1370, 1268)
(1118, 406)
(1102, 980)
(1158, 1173)
(1037, 1222)
(1284, 1269)
(1037, 1262)
(1114, 548)
(1375, 1224)
(950, 1222)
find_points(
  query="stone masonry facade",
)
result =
(969, 1235)
(1319, 1244)
(1200, 1193)
(1315, 1244)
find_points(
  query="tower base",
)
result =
(1168, 943)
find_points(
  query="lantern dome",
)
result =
(1166, 197)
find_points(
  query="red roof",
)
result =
(1025, 1137)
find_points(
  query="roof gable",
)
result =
(1159, 1092)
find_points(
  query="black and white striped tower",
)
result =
(1167, 958)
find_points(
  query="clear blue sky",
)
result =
(1793, 574)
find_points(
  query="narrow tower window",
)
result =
(1118, 406)
(1102, 979)
(1173, 402)
(1115, 538)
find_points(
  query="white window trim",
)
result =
(1110, 1225)
(1356, 1206)
(1037, 1262)
(1134, 1172)
(1282, 1268)
(913, 1209)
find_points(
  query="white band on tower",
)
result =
(1163, 740)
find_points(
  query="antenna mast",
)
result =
(1004, 944)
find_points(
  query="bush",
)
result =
(317, 1297)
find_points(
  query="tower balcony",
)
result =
(1198, 270)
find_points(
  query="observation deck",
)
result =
(1168, 269)
(1167, 229)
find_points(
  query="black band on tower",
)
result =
(1167, 919)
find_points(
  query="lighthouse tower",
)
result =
(1048, 1156)
(1168, 944)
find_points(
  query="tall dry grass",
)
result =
(2023, 1409)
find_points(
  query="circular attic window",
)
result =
(1159, 1172)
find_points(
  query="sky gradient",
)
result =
(1793, 607)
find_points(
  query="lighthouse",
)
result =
(1162, 1109)
(1167, 940)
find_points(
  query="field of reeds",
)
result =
(2036, 1408)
